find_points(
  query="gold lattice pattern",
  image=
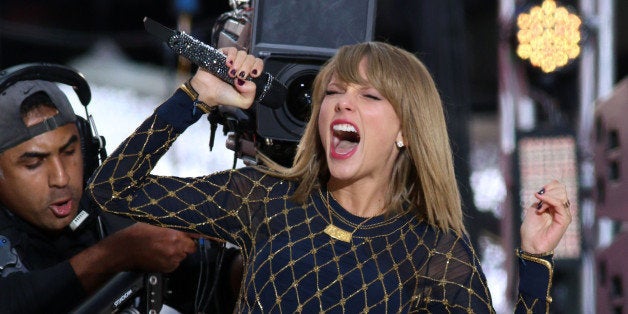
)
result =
(391, 264)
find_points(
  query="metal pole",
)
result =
(596, 80)
(587, 80)
(606, 49)
(508, 89)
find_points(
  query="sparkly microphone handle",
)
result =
(269, 92)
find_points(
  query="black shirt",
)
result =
(45, 281)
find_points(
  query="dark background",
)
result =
(59, 30)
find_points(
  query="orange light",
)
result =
(548, 36)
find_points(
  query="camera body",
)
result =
(294, 38)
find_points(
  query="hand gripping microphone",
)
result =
(269, 92)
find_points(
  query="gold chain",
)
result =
(349, 223)
(335, 231)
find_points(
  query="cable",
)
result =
(205, 280)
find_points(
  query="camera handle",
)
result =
(115, 295)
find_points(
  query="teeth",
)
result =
(345, 128)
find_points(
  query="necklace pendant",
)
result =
(338, 233)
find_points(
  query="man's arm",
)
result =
(52, 290)
(60, 288)
(139, 247)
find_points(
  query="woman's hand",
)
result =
(213, 91)
(545, 222)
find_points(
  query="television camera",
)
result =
(294, 44)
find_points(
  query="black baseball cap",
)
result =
(13, 131)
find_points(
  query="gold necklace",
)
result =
(371, 226)
(335, 231)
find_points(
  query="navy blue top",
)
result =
(391, 264)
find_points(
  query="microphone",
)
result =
(270, 92)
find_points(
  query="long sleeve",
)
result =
(452, 280)
(535, 280)
(38, 277)
(215, 205)
(52, 290)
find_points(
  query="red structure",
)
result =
(611, 154)
(612, 274)
(611, 197)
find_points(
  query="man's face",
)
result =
(42, 178)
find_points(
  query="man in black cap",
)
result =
(46, 266)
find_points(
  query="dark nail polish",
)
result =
(232, 72)
(242, 74)
(240, 82)
(540, 204)
(230, 62)
(254, 71)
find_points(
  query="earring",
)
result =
(399, 144)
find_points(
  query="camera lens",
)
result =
(288, 122)
(299, 99)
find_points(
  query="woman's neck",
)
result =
(363, 200)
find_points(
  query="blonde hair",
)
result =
(423, 179)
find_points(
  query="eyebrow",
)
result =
(70, 142)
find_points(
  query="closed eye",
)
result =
(372, 97)
(69, 152)
(34, 163)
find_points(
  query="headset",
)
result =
(92, 144)
(94, 153)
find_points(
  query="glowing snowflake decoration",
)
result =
(548, 36)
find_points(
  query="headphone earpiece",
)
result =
(90, 147)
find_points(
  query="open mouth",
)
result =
(62, 208)
(346, 139)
